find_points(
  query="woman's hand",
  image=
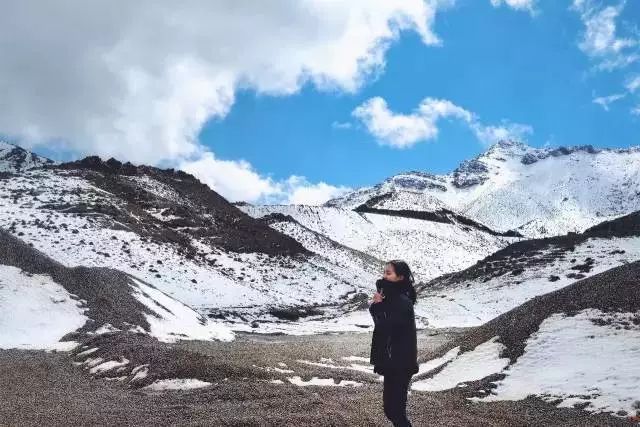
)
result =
(377, 297)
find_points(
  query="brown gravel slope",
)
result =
(615, 290)
(105, 292)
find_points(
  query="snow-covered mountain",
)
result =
(112, 261)
(173, 232)
(433, 244)
(17, 159)
(535, 191)
(258, 267)
(120, 257)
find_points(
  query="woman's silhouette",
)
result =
(394, 348)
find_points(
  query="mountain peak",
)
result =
(7, 146)
(509, 144)
(15, 159)
(507, 147)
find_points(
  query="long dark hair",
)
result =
(402, 269)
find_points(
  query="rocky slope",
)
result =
(526, 269)
(44, 304)
(576, 346)
(176, 234)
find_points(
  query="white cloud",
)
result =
(234, 180)
(137, 80)
(605, 101)
(636, 110)
(341, 125)
(600, 40)
(302, 192)
(507, 131)
(633, 83)
(239, 181)
(433, 109)
(526, 5)
(397, 130)
(406, 130)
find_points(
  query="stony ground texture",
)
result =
(38, 388)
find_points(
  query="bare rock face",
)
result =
(419, 181)
(470, 173)
(534, 156)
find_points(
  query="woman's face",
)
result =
(390, 274)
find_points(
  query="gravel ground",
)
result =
(38, 388)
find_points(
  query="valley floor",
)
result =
(39, 388)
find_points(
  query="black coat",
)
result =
(394, 348)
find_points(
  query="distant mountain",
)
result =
(537, 192)
(16, 159)
(432, 243)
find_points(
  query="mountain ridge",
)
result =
(536, 192)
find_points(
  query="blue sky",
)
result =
(293, 101)
(499, 63)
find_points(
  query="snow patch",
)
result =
(93, 361)
(174, 320)
(356, 359)
(590, 358)
(367, 369)
(87, 352)
(323, 382)
(177, 384)
(140, 372)
(36, 312)
(107, 366)
(106, 328)
(479, 363)
(438, 361)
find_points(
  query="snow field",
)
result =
(473, 303)
(590, 358)
(221, 279)
(36, 312)
(174, 320)
(431, 248)
(315, 381)
(481, 362)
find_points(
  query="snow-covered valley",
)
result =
(539, 268)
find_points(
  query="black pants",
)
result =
(394, 397)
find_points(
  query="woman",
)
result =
(394, 348)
